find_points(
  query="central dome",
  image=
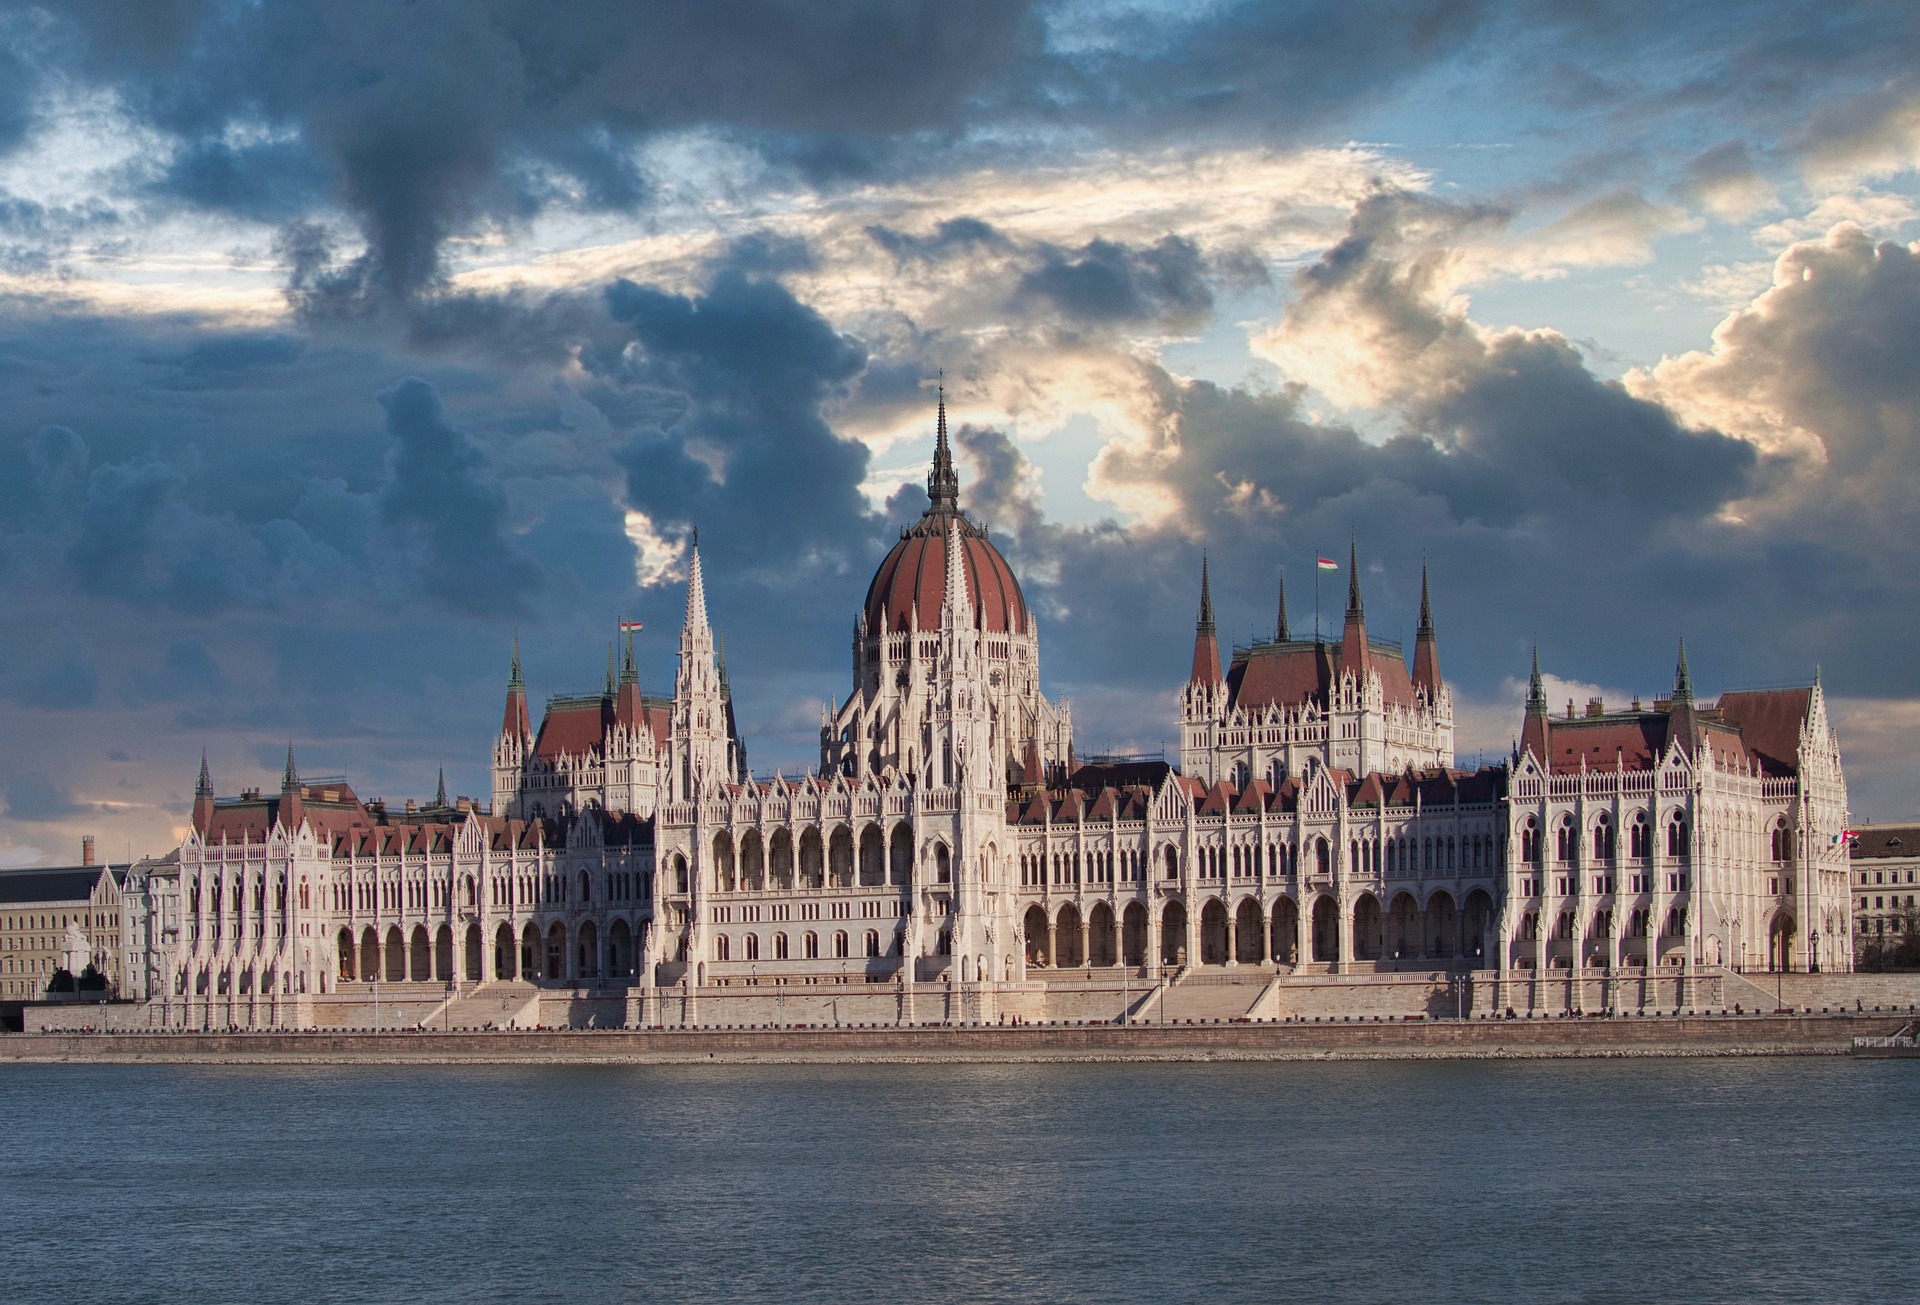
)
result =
(914, 574)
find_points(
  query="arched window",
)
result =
(1677, 835)
(753, 946)
(810, 946)
(1173, 862)
(1637, 842)
(1603, 838)
(873, 943)
(1782, 840)
(1530, 842)
(840, 944)
(721, 948)
(1563, 841)
(779, 947)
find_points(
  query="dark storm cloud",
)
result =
(449, 508)
(749, 455)
(1103, 282)
(421, 121)
(35, 797)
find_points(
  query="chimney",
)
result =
(86, 850)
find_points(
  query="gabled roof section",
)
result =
(1302, 671)
(574, 727)
(1769, 722)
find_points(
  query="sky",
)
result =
(342, 344)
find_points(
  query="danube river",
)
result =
(1644, 1180)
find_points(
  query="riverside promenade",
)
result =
(1589, 1037)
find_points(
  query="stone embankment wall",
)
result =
(1202, 997)
(1565, 1037)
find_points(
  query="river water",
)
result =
(1645, 1180)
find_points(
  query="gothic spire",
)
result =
(1426, 654)
(513, 676)
(290, 777)
(1205, 622)
(205, 787)
(629, 673)
(943, 486)
(696, 590)
(1682, 680)
(720, 660)
(440, 794)
(1206, 645)
(610, 679)
(1354, 608)
(1536, 688)
(1280, 632)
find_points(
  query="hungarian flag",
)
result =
(630, 627)
(1327, 564)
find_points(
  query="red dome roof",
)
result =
(916, 571)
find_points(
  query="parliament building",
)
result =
(1315, 851)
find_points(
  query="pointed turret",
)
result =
(1683, 721)
(626, 709)
(611, 681)
(514, 722)
(696, 589)
(720, 662)
(1281, 633)
(943, 485)
(291, 811)
(1206, 644)
(440, 792)
(203, 797)
(1426, 654)
(1355, 656)
(1533, 731)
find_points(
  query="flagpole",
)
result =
(1316, 597)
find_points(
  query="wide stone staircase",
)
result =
(1205, 996)
(502, 1003)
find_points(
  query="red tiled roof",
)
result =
(915, 570)
(1769, 721)
(572, 727)
(1301, 671)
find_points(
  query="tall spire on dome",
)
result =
(629, 673)
(1281, 633)
(513, 676)
(204, 788)
(943, 486)
(1426, 607)
(1536, 687)
(290, 777)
